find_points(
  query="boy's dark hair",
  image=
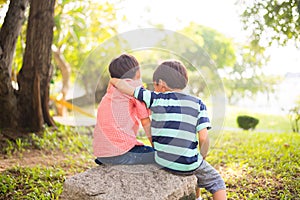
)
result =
(124, 66)
(173, 73)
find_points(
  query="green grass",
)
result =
(32, 183)
(46, 181)
(66, 139)
(254, 165)
(259, 165)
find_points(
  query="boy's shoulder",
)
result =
(178, 96)
(186, 96)
(134, 83)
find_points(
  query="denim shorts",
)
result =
(209, 178)
(136, 155)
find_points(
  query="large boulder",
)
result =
(136, 182)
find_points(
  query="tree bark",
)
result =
(8, 37)
(34, 76)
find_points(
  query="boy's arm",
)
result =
(122, 86)
(204, 142)
(146, 123)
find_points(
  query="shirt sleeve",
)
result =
(144, 95)
(142, 110)
(203, 120)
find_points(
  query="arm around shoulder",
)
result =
(122, 86)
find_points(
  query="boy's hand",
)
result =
(114, 81)
(122, 86)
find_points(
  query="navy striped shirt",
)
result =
(176, 119)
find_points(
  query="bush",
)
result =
(247, 122)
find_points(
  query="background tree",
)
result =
(272, 20)
(79, 28)
(26, 107)
(204, 49)
(240, 66)
(220, 50)
(245, 78)
(8, 38)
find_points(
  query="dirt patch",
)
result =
(32, 158)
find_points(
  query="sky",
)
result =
(218, 14)
(221, 15)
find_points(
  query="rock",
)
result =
(136, 182)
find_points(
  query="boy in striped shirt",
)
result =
(176, 119)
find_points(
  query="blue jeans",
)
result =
(136, 155)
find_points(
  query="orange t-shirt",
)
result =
(118, 121)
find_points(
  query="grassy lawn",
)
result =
(259, 165)
(254, 164)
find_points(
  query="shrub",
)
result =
(247, 122)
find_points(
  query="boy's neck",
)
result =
(173, 90)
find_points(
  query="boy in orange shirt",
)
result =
(118, 119)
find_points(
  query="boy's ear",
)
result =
(160, 82)
(137, 74)
(163, 84)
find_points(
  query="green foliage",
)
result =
(219, 48)
(239, 65)
(273, 20)
(247, 122)
(51, 139)
(31, 183)
(9, 148)
(3, 2)
(80, 27)
(245, 78)
(40, 182)
(20, 144)
(203, 51)
(93, 73)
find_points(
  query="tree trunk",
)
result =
(34, 77)
(8, 37)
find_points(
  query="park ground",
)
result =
(258, 164)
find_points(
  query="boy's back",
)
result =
(176, 118)
(119, 117)
(118, 122)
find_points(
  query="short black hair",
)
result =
(174, 73)
(124, 66)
